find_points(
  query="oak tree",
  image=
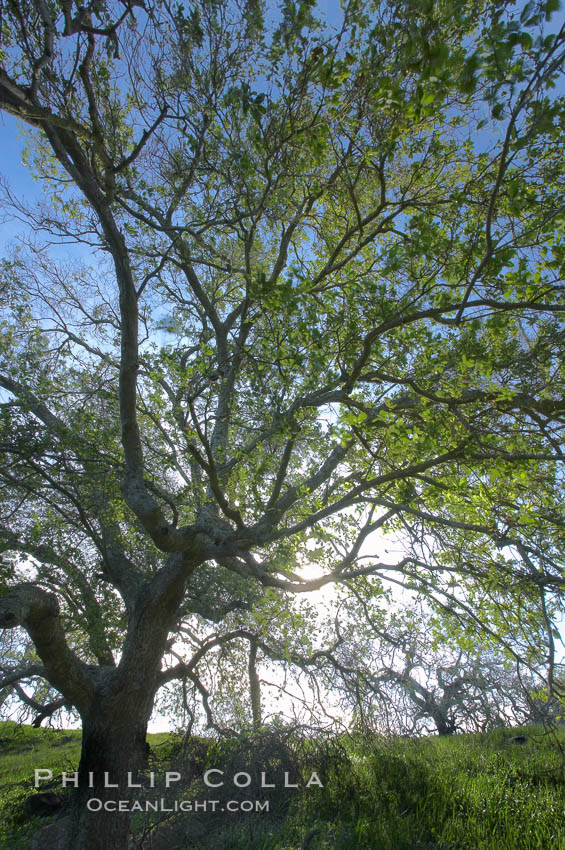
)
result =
(315, 290)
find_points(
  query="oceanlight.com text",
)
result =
(95, 804)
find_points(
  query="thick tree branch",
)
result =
(38, 612)
(10, 677)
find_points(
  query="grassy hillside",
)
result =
(461, 793)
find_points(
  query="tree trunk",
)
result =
(254, 685)
(114, 728)
(114, 751)
(444, 725)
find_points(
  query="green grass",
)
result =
(466, 792)
(463, 793)
(24, 748)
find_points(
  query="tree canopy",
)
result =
(315, 294)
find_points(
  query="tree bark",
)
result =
(254, 685)
(114, 753)
(443, 724)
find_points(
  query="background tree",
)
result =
(399, 672)
(307, 301)
(24, 692)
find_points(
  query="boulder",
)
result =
(43, 804)
(517, 739)
(52, 837)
